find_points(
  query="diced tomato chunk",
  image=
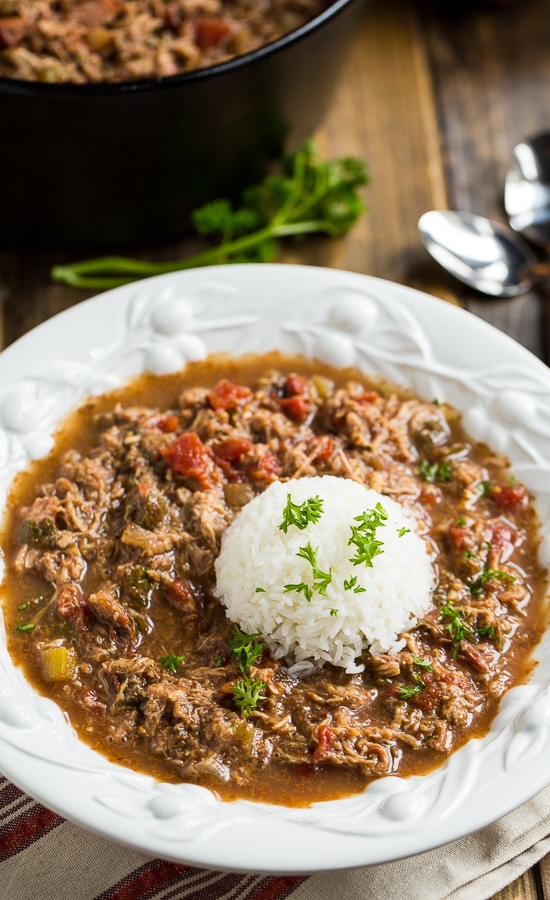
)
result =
(71, 605)
(168, 424)
(430, 494)
(508, 496)
(12, 30)
(188, 456)
(460, 537)
(226, 395)
(296, 408)
(266, 468)
(504, 538)
(369, 397)
(325, 740)
(325, 448)
(181, 596)
(210, 32)
(296, 384)
(232, 449)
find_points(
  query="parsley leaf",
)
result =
(363, 536)
(171, 662)
(352, 585)
(423, 663)
(247, 693)
(435, 471)
(301, 514)
(321, 580)
(405, 693)
(245, 648)
(476, 587)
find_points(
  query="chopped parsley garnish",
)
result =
(459, 629)
(301, 514)
(435, 471)
(171, 662)
(245, 648)
(423, 663)
(403, 530)
(334, 612)
(461, 521)
(476, 587)
(259, 591)
(300, 588)
(405, 693)
(321, 580)
(363, 536)
(218, 661)
(247, 693)
(485, 488)
(455, 627)
(25, 626)
(351, 585)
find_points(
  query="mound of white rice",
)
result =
(337, 623)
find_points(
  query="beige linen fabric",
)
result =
(472, 868)
(72, 863)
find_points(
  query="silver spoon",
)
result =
(486, 256)
(527, 189)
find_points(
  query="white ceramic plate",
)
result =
(341, 318)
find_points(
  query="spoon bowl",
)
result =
(481, 253)
(527, 189)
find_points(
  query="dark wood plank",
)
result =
(544, 878)
(523, 888)
(491, 75)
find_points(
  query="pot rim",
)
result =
(70, 89)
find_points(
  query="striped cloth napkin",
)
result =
(43, 856)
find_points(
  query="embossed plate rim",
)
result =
(343, 318)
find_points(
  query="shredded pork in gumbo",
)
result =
(123, 40)
(109, 602)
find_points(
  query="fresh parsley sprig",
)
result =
(171, 662)
(351, 585)
(247, 693)
(309, 195)
(246, 649)
(459, 629)
(405, 693)
(301, 514)
(363, 535)
(321, 580)
(477, 586)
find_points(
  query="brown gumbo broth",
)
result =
(110, 544)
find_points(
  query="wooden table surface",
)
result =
(433, 97)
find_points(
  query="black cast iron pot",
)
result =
(117, 163)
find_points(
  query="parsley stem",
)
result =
(311, 196)
(119, 270)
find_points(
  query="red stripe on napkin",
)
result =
(25, 829)
(171, 880)
(145, 881)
